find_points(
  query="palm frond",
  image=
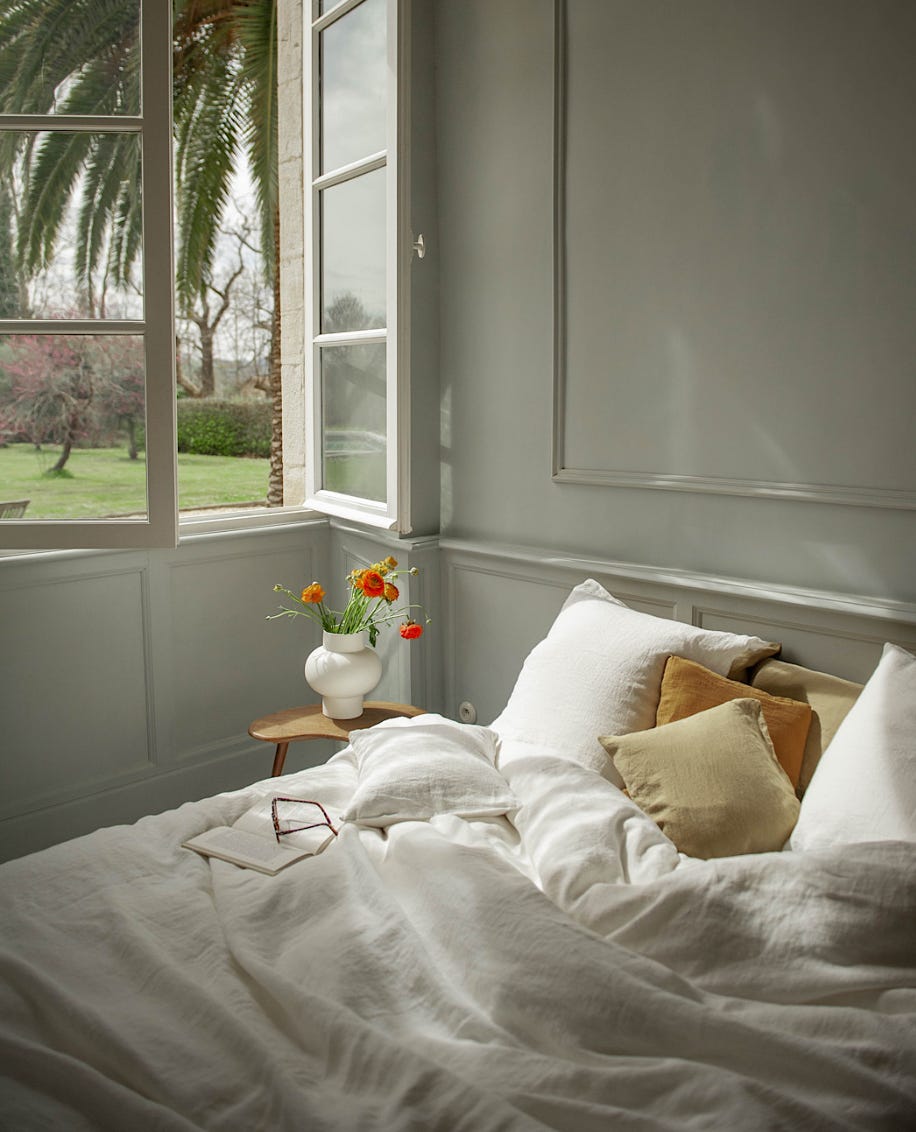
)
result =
(82, 56)
(124, 249)
(257, 27)
(48, 43)
(112, 171)
(58, 162)
(211, 143)
(99, 192)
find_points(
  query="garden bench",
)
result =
(13, 508)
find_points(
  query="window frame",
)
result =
(154, 127)
(394, 513)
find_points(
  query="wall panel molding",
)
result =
(501, 600)
(545, 563)
(61, 622)
(131, 678)
(734, 145)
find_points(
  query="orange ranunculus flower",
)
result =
(391, 563)
(313, 594)
(372, 583)
(410, 630)
(392, 593)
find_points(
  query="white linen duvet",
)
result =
(561, 967)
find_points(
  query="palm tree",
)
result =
(82, 57)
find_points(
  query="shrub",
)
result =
(224, 428)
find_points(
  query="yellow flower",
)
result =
(385, 566)
(391, 592)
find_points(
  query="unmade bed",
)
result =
(577, 918)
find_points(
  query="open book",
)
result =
(252, 844)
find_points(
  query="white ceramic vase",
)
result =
(343, 670)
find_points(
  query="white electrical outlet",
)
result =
(467, 713)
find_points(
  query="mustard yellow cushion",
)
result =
(688, 687)
(711, 782)
(830, 698)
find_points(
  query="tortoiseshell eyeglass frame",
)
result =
(278, 832)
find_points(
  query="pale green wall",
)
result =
(495, 86)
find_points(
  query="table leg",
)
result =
(279, 759)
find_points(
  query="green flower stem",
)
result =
(361, 614)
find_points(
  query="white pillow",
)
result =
(864, 788)
(413, 769)
(599, 672)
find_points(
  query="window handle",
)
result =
(419, 246)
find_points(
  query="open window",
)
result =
(355, 407)
(79, 355)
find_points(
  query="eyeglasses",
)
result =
(298, 814)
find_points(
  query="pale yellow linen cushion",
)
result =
(688, 687)
(830, 698)
(711, 782)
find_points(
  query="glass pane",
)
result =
(70, 225)
(85, 60)
(352, 86)
(72, 414)
(353, 254)
(223, 452)
(353, 420)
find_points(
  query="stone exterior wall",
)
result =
(290, 34)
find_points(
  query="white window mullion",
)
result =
(400, 252)
(351, 338)
(159, 275)
(71, 326)
(348, 172)
(73, 123)
(311, 118)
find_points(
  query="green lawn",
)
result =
(104, 482)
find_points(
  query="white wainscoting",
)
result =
(128, 680)
(501, 600)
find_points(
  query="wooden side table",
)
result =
(308, 722)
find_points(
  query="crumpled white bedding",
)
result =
(566, 970)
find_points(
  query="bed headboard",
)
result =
(500, 601)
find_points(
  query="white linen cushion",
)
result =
(864, 788)
(599, 672)
(413, 769)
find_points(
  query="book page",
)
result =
(250, 846)
(252, 850)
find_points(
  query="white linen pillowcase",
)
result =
(414, 769)
(864, 787)
(599, 672)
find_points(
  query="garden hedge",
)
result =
(224, 428)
